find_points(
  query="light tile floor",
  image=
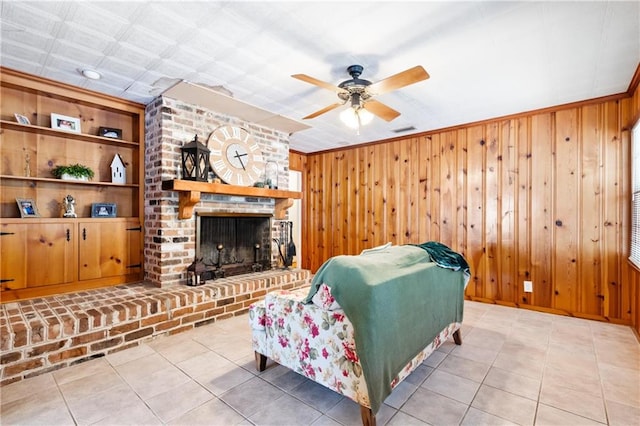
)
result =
(514, 367)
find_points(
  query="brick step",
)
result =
(46, 334)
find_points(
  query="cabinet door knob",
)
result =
(84, 233)
(68, 234)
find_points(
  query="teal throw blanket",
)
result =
(445, 257)
(398, 301)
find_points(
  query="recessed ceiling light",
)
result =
(91, 74)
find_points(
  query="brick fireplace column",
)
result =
(170, 243)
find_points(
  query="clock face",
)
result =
(235, 156)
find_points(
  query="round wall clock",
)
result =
(235, 156)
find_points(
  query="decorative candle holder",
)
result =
(271, 175)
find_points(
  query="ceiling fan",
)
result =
(359, 93)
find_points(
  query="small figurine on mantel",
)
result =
(69, 206)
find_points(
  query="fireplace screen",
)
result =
(234, 245)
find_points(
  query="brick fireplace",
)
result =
(171, 243)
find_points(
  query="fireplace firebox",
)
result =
(233, 244)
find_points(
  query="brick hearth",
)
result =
(45, 334)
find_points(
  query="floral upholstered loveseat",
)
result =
(320, 345)
(310, 333)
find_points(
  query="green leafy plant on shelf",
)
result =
(77, 171)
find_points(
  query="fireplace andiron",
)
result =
(256, 267)
(218, 272)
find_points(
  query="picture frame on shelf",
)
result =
(27, 207)
(103, 210)
(22, 119)
(110, 132)
(64, 122)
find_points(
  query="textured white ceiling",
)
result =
(486, 59)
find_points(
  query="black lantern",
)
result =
(195, 161)
(198, 273)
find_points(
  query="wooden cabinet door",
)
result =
(134, 234)
(37, 254)
(103, 249)
(13, 256)
(51, 255)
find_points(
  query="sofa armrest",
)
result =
(257, 315)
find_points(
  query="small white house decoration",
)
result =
(118, 170)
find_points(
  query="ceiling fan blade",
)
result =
(319, 83)
(323, 110)
(396, 81)
(381, 110)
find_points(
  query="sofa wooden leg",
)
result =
(457, 337)
(261, 361)
(368, 418)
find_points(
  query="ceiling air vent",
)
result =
(403, 129)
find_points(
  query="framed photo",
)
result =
(27, 207)
(22, 119)
(64, 122)
(109, 132)
(103, 210)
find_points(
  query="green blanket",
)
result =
(398, 301)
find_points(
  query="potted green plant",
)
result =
(73, 172)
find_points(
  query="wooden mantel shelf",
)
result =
(190, 192)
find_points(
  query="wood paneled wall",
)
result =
(634, 274)
(296, 161)
(541, 196)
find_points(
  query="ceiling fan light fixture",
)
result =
(357, 92)
(355, 117)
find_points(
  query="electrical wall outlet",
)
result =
(528, 286)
